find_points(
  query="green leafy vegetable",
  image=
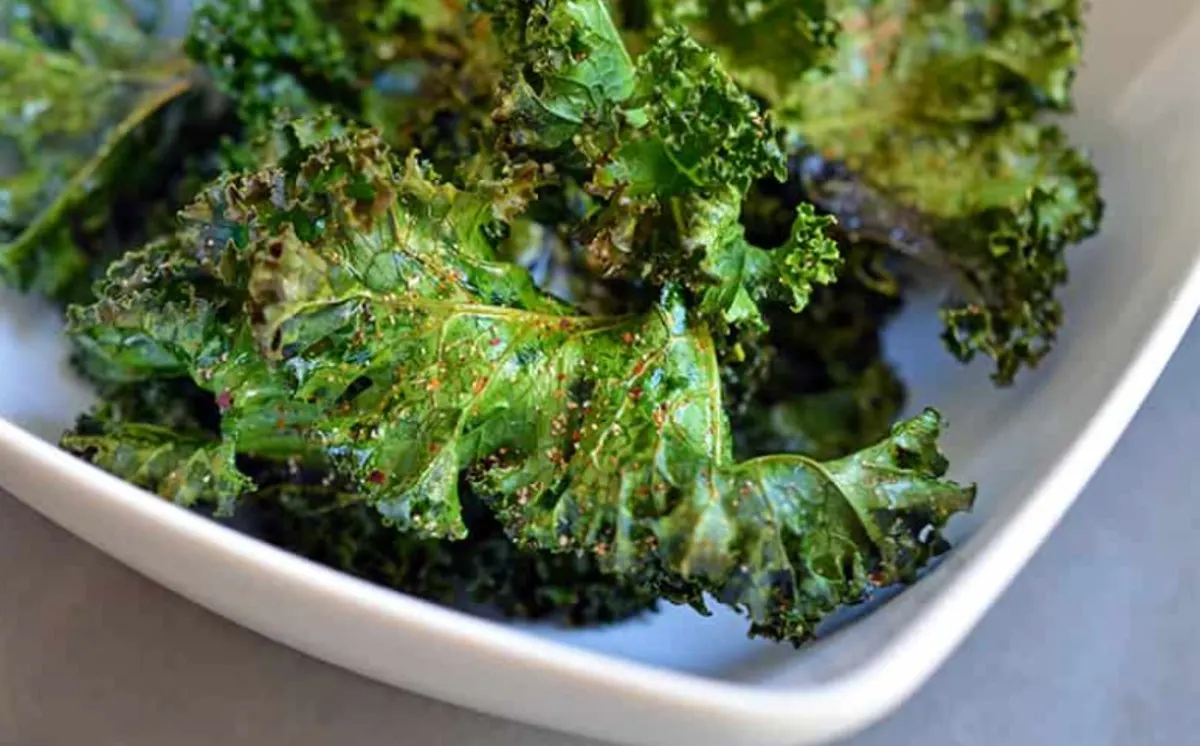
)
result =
(670, 142)
(186, 468)
(946, 131)
(561, 307)
(486, 568)
(828, 390)
(921, 132)
(768, 44)
(77, 80)
(287, 53)
(380, 333)
(421, 71)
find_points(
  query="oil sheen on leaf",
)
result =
(373, 326)
(76, 79)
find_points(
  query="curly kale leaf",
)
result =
(738, 276)
(767, 44)
(827, 390)
(671, 123)
(377, 330)
(938, 150)
(274, 54)
(571, 69)
(1000, 225)
(423, 71)
(163, 435)
(669, 143)
(1013, 261)
(269, 56)
(976, 62)
(77, 80)
(298, 513)
(187, 468)
(920, 132)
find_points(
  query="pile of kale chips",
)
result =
(559, 306)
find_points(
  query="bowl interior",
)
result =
(1138, 111)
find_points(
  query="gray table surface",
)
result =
(1094, 643)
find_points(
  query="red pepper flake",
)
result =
(377, 477)
(434, 384)
(564, 324)
(495, 341)
(635, 394)
(639, 368)
(627, 338)
(225, 400)
(435, 447)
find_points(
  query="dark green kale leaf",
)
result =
(342, 307)
(299, 513)
(668, 144)
(922, 132)
(817, 382)
(828, 390)
(283, 54)
(79, 80)
(423, 71)
(829, 423)
(1013, 258)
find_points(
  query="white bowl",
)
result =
(676, 677)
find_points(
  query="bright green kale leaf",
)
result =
(268, 55)
(185, 468)
(920, 132)
(1013, 259)
(377, 330)
(77, 80)
(571, 69)
(670, 124)
(739, 276)
(669, 143)
(1019, 197)
(930, 109)
(932, 61)
(768, 44)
